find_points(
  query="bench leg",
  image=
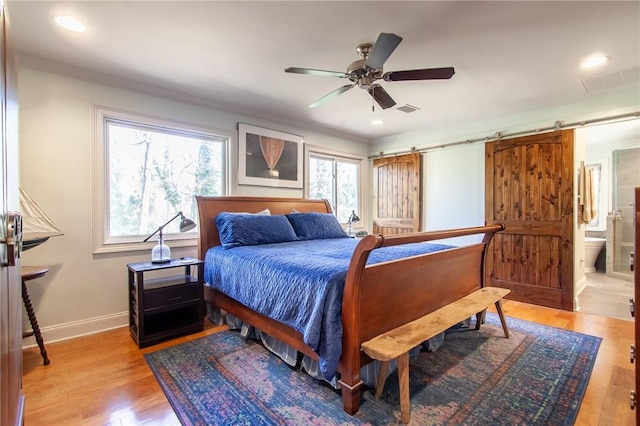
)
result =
(502, 319)
(382, 376)
(480, 318)
(403, 379)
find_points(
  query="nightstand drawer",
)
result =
(174, 295)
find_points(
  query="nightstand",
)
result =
(163, 305)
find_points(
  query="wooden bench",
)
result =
(398, 342)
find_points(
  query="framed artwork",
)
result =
(269, 157)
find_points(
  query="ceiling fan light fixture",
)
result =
(70, 23)
(594, 61)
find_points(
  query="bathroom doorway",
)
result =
(614, 149)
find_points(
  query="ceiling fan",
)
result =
(364, 72)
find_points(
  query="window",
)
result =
(151, 171)
(336, 179)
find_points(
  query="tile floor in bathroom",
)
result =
(606, 296)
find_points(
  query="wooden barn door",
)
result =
(397, 187)
(529, 188)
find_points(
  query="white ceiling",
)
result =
(509, 57)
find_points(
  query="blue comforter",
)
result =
(298, 283)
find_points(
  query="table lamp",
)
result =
(352, 218)
(161, 253)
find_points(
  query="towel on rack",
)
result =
(586, 196)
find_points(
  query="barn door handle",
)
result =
(10, 238)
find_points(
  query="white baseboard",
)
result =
(71, 330)
(580, 285)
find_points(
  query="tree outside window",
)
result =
(154, 172)
(337, 180)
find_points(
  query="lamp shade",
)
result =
(186, 224)
(353, 217)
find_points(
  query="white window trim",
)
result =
(101, 242)
(311, 150)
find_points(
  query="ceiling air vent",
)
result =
(610, 80)
(407, 108)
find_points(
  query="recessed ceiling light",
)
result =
(70, 23)
(377, 122)
(594, 61)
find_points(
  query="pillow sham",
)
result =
(313, 226)
(246, 229)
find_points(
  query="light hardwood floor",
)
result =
(103, 379)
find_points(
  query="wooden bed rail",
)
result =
(418, 237)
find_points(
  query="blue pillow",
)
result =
(245, 229)
(313, 226)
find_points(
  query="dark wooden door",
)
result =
(529, 188)
(11, 396)
(398, 189)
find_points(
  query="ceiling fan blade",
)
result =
(325, 98)
(320, 73)
(424, 74)
(382, 49)
(381, 96)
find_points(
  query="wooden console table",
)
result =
(31, 273)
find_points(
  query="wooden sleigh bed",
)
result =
(377, 298)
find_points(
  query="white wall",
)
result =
(83, 292)
(453, 182)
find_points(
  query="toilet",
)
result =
(592, 248)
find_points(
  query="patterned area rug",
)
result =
(537, 377)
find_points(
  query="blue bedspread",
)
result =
(298, 283)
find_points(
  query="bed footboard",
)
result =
(383, 296)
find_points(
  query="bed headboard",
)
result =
(209, 207)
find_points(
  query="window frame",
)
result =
(102, 241)
(319, 152)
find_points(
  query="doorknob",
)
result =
(10, 238)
